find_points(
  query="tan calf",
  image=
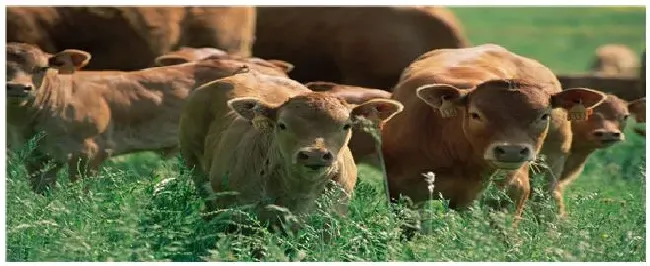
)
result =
(603, 129)
(471, 112)
(88, 116)
(615, 60)
(272, 140)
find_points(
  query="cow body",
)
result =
(129, 38)
(615, 60)
(270, 139)
(362, 46)
(91, 115)
(470, 112)
(603, 129)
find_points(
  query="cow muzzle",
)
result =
(18, 90)
(607, 138)
(509, 156)
(315, 158)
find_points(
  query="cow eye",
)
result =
(544, 117)
(347, 126)
(625, 117)
(282, 126)
(474, 116)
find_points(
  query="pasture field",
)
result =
(126, 216)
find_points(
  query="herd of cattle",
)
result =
(271, 101)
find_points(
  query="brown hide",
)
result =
(129, 38)
(362, 46)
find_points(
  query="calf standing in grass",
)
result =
(272, 140)
(90, 115)
(471, 112)
(602, 129)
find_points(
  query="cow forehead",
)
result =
(25, 55)
(520, 100)
(315, 107)
(611, 107)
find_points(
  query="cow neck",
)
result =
(287, 185)
(55, 93)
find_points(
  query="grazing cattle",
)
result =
(603, 128)
(91, 115)
(188, 55)
(470, 112)
(615, 60)
(129, 38)
(272, 140)
(362, 143)
(362, 46)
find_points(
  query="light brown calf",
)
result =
(603, 129)
(362, 46)
(91, 115)
(615, 60)
(272, 140)
(471, 112)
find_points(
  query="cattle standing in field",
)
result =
(615, 60)
(603, 128)
(362, 46)
(129, 38)
(470, 112)
(272, 140)
(90, 115)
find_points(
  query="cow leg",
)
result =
(517, 186)
(573, 166)
(41, 175)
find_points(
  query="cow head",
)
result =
(28, 66)
(605, 125)
(505, 121)
(311, 130)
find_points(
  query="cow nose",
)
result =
(19, 86)
(608, 136)
(512, 153)
(314, 158)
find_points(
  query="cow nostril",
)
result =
(525, 151)
(28, 88)
(303, 156)
(598, 134)
(328, 156)
(499, 150)
(616, 134)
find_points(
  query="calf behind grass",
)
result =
(273, 141)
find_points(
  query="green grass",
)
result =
(122, 219)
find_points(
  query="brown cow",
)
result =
(615, 60)
(362, 143)
(470, 112)
(129, 38)
(602, 129)
(272, 140)
(91, 115)
(189, 54)
(362, 46)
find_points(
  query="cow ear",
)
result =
(377, 110)
(443, 97)
(568, 98)
(284, 65)
(637, 108)
(251, 108)
(170, 60)
(68, 61)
